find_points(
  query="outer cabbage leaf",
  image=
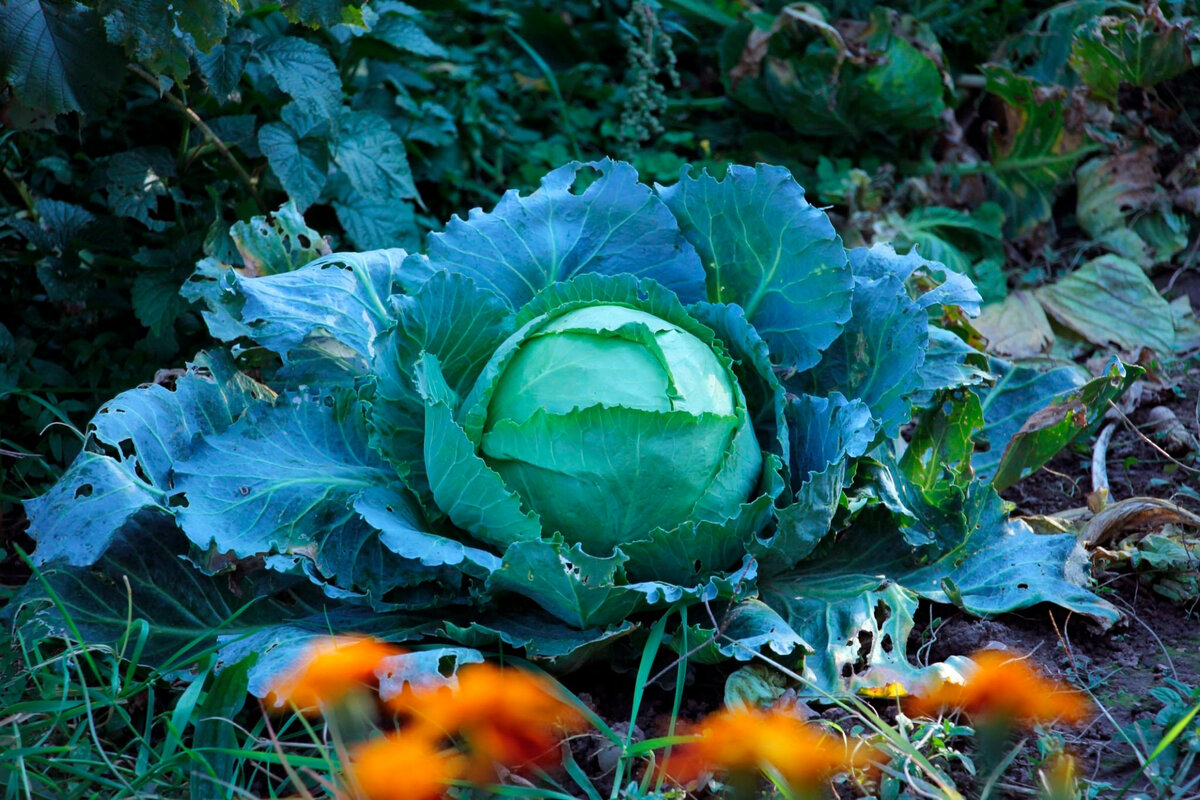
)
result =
(341, 296)
(878, 357)
(402, 530)
(186, 610)
(1066, 418)
(748, 627)
(542, 638)
(285, 479)
(1031, 414)
(825, 434)
(616, 225)
(273, 650)
(931, 284)
(147, 431)
(765, 248)
(928, 486)
(864, 587)
(454, 320)
(580, 589)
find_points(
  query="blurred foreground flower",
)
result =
(329, 669)
(1058, 779)
(1005, 689)
(741, 743)
(403, 766)
(502, 716)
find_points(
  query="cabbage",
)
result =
(593, 404)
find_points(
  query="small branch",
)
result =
(1151, 442)
(212, 137)
(1100, 459)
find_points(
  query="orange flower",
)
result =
(403, 767)
(743, 742)
(1006, 689)
(329, 669)
(502, 716)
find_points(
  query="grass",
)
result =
(77, 720)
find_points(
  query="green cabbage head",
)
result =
(610, 422)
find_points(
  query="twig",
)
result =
(1100, 459)
(1150, 442)
(718, 632)
(212, 137)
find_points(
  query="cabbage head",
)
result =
(597, 404)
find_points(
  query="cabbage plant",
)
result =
(591, 405)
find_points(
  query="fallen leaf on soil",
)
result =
(1107, 526)
(1016, 328)
(1187, 327)
(1095, 302)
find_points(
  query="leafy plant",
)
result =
(837, 79)
(595, 400)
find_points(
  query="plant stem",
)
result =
(212, 137)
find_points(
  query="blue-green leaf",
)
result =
(147, 430)
(1018, 392)
(454, 320)
(305, 72)
(281, 480)
(1062, 420)
(930, 283)
(471, 493)
(423, 670)
(341, 296)
(878, 357)
(825, 434)
(275, 646)
(403, 530)
(616, 225)
(580, 589)
(542, 638)
(301, 164)
(765, 396)
(765, 248)
(187, 610)
(748, 627)
(864, 586)
(81, 514)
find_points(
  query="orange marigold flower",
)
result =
(502, 716)
(328, 670)
(403, 767)
(1007, 689)
(743, 742)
